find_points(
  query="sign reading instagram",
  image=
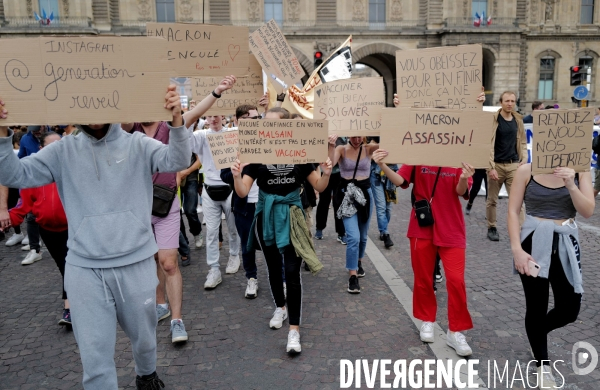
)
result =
(581, 357)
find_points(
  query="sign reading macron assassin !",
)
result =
(57, 80)
(203, 49)
(438, 137)
(352, 107)
(282, 141)
(449, 76)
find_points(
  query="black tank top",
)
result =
(549, 203)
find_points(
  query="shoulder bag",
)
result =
(423, 207)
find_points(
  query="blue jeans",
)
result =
(243, 222)
(356, 236)
(382, 208)
(184, 245)
(189, 193)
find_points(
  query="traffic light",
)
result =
(318, 58)
(578, 75)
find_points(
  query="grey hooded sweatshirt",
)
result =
(105, 186)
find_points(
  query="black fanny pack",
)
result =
(423, 207)
(218, 193)
(162, 200)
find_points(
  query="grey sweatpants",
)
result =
(101, 297)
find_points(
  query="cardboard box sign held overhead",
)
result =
(83, 80)
(246, 90)
(352, 107)
(436, 137)
(275, 55)
(562, 138)
(203, 49)
(449, 76)
(283, 141)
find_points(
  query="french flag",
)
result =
(489, 20)
(478, 19)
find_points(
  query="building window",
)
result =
(49, 7)
(377, 11)
(479, 7)
(274, 10)
(165, 11)
(587, 11)
(546, 84)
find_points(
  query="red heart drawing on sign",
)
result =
(234, 50)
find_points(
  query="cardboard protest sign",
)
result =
(246, 90)
(448, 77)
(83, 80)
(224, 147)
(283, 141)
(203, 49)
(275, 55)
(352, 107)
(562, 138)
(438, 137)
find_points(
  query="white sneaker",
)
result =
(545, 378)
(457, 341)
(426, 334)
(293, 345)
(279, 316)
(222, 215)
(15, 239)
(26, 248)
(233, 265)
(32, 257)
(198, 240)
(25, 241)
(199, 209)
(213, 279)
(252, 288)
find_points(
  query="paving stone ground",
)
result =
(231, 346)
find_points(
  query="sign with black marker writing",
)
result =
(562, 138)
(275, 55)
(224, 147)
(352, 107)
(246, 90)
(203, 49)
(83, 80)
(283, 141)
(438, 137)
(449, 76)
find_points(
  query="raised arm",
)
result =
(335, 152)
(318, 181)
(582, 196)
(241, 183)
(395, 178)
(201, 108)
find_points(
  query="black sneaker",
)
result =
(387, 241)
(361, 272)
(353, 287)
(493, 234)
(306, 268)
(66, 317)
(468, 209)
(185, 262)
(149, 382)
(381, 235)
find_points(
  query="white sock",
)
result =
(163, 305)
(175, 320)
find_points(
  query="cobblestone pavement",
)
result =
(231, 346)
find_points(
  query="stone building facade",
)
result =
(528, 45)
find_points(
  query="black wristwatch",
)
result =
(215, 95)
